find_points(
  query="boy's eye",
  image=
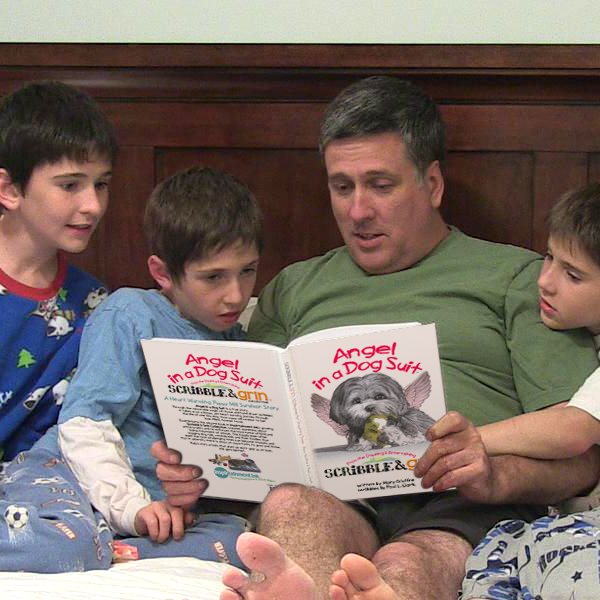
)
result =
(69, 186)
(573, 277)
(101, 185)
(249, 270)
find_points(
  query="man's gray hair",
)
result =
(383, 104)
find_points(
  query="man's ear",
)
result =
(160, 273)
(435, 182)
(10, 194)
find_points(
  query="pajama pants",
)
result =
(47, 524)
(551, 558)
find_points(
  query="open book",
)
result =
(343, 409)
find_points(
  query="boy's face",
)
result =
(569, 287)
(215, 290)
(62, 203)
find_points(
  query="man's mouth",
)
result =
(367, 239)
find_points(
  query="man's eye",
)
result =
(382, 186)
(341, 188)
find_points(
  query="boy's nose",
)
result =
(94, 202)
(545, 280)
(234, 292)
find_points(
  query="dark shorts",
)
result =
(397, 515)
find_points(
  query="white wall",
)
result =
(301, 21)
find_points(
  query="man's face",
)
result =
(388, 218)
(569, 287)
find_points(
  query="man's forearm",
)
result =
(521, 480)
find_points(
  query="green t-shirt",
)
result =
(498, 359)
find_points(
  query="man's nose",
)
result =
(361, 208)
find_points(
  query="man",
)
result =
(383, 140)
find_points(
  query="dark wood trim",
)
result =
(337, 56)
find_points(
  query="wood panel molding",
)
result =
(523, 125)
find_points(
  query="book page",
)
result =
(367, 401)
(224, 406)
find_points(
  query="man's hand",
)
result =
(180, 482)
(158, 520)
(456, 458)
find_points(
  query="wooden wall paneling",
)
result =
(228, 125)
(554, 174)
(290, 186)
(488, 195)
(354, 56)
(118, 251)
(594, 167)
(569, 128)
(521, 120)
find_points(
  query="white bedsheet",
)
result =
(148, 579)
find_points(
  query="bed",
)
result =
(149, 579)
(523, 126)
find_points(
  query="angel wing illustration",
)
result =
(321, 407)
(417, 391)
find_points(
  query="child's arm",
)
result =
(558, 432)
(104, 396)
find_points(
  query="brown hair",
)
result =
(576, 218)
(199, 211)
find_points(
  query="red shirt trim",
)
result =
(20, 289)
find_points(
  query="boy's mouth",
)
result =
(230, 317)
(546, 307)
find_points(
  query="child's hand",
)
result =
(160, 519)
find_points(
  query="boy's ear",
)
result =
(10, 194)
(159, 272)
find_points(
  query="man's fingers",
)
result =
(162, 453)
(167, 473)
(451, 422)
(448, 445)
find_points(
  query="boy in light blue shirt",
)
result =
(205, 233)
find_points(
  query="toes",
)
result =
(361, 572)
(234, 578)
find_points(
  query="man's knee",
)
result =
(297, 500)
(425, 547)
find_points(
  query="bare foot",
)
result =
(358, 579)
(274, 576)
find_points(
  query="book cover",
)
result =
(343, 409)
